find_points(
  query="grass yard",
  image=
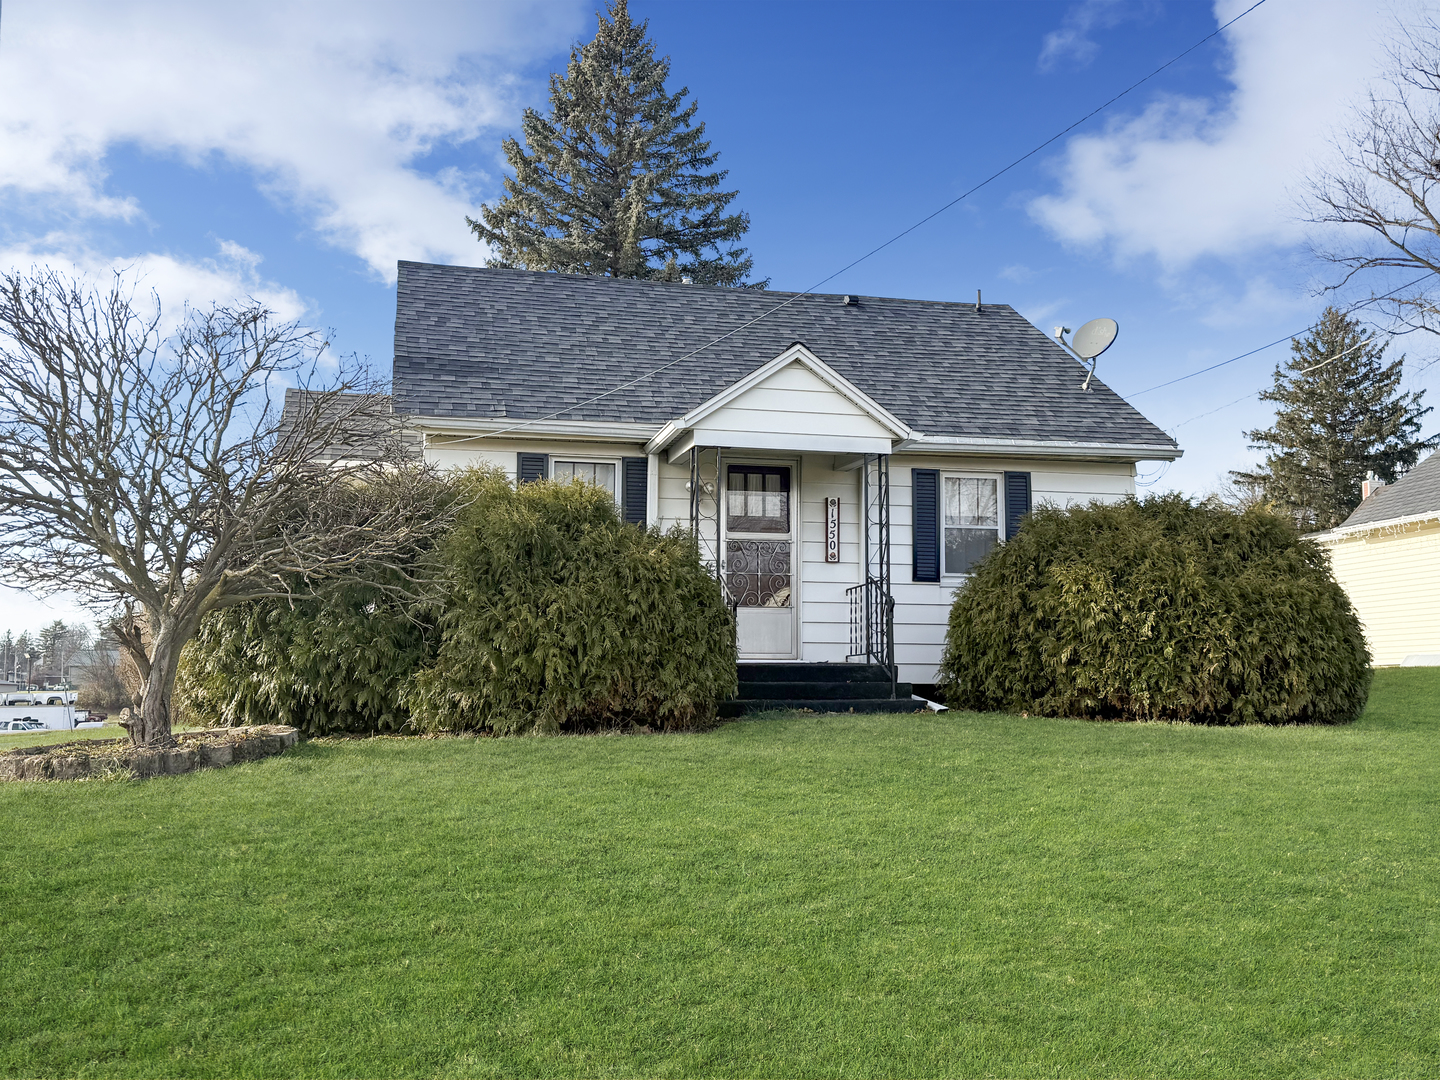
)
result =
(10, 740)
(948, 894)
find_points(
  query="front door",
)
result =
(760, 559)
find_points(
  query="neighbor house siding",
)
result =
(1393, 579)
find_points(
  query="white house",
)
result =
(1387, 557)
(843, 461)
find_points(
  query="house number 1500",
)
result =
(832, 530)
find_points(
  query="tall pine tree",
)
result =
(619, 179)
(1339, 416)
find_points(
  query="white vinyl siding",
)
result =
(921, 609)
(793, 409)
(1393, 579)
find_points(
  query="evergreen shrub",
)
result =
(562, 617)
(338, 660)
(1157, 610)
(338, 655)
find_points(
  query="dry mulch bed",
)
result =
(193, 750)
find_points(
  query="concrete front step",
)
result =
(799, 691)
(813, 673)
(741, 706)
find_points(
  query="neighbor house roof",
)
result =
(481, 344)
(1415, 494)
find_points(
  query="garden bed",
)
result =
(84, 759)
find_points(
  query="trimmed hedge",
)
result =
(1157, 610)
(338, 660)
(561, 617)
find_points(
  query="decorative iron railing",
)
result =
(872, 626)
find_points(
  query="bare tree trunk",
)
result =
(152, 725)
(154, 646)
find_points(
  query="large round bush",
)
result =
(339, 659)
(562, 617)
(1157, 610)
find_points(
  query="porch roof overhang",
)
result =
(858, 425)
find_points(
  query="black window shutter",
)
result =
(636, 471)
(925, 520)
(533, 467)
(1017, 500)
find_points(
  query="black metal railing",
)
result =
(872, 626)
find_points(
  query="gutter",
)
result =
(1039, 448)
(657, 438)
(1345, 532)
(602, 430)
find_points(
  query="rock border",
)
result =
(80, 760)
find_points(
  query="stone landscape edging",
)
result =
(213, 749)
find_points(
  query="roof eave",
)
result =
(588, 430)
(1346, 532)
(1052, 448)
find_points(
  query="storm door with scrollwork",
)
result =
(760, 557)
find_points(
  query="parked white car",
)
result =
(21, 725)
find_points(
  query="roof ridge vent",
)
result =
(851, 301)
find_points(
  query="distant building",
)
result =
(1387, 557)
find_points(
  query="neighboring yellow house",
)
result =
(1387, 557)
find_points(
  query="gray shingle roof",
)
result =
(1415, 493)
(487, 343)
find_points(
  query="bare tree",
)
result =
(162, 470)
(1387, 182)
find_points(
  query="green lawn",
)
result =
(10, 740)
(947, 894)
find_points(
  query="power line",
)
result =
(881, 247)
(1288, 337)
(1302, 371)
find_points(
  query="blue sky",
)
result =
(294, 152)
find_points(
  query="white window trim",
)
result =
(999, 478)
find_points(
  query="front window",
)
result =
(759, 499)
(972, 521)
(599, 473)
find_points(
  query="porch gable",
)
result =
(795, 402)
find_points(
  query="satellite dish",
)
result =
(1090, 341)
(1094, 338)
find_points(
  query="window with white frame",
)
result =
(599, 473)
(970, 525)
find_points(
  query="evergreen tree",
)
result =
(1339, 417)
(619, 179)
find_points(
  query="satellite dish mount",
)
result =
(1089, 342)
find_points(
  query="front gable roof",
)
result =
(794, 402)
(483, 345)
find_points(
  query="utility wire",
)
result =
(880, 247)
(1288, 337)
(1303, 371)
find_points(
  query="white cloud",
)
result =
(1072, 40)
(232, 274)
(334, 106)
(1190, 178)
